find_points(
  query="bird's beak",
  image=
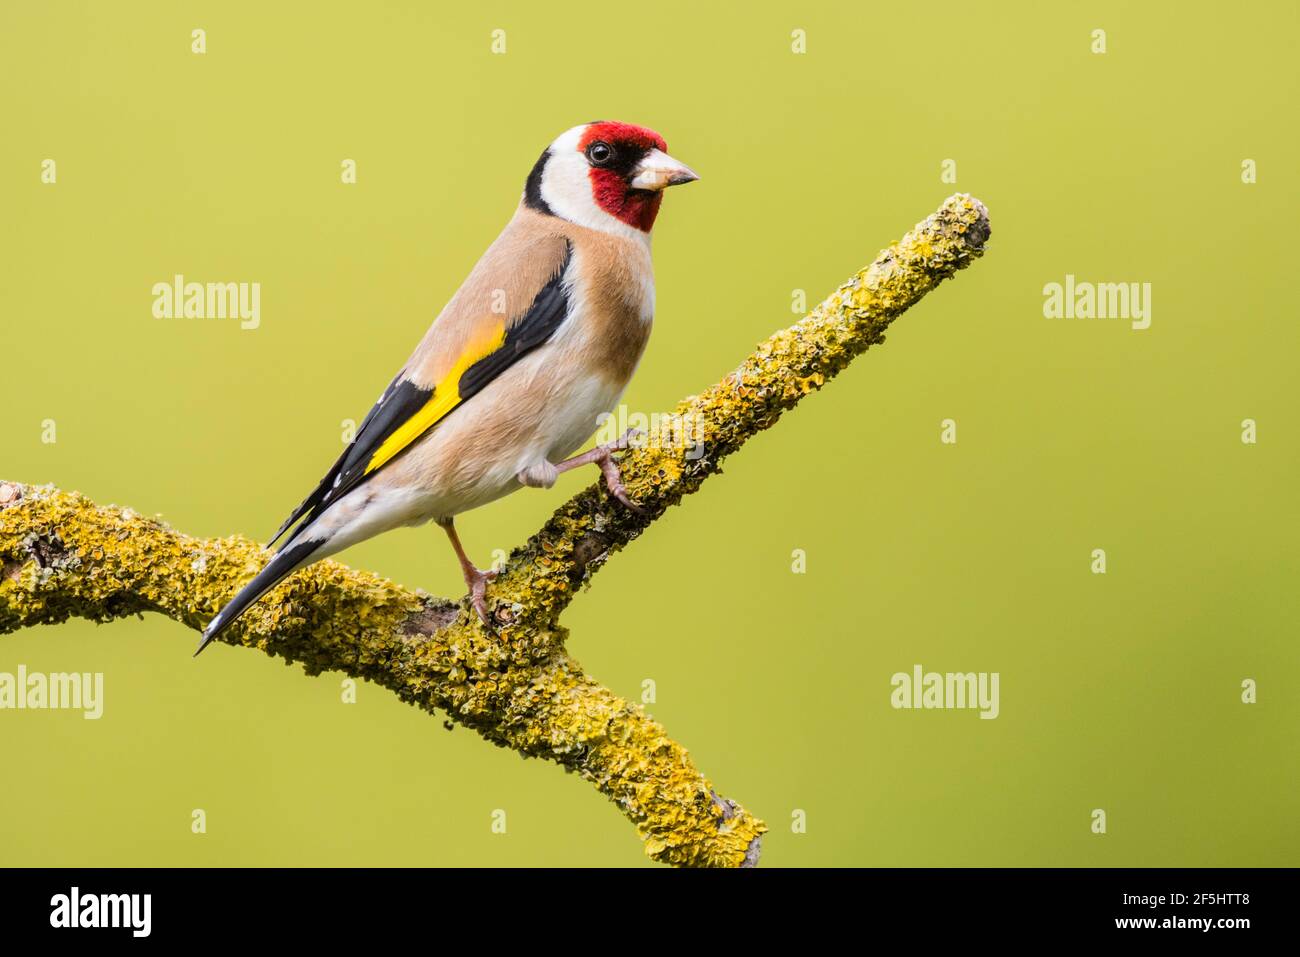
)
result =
(659, 170)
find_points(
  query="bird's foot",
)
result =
(603, 456)
(614, 482)
(477, 579)
(609, 468)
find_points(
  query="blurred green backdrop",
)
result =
(1118, 691)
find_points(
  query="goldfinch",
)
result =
(541, 338)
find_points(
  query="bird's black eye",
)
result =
(599, 153)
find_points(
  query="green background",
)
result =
(1119, 692)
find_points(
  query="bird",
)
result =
(510, 380)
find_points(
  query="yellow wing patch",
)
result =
(446, 396)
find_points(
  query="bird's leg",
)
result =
(603, 455)
(475, 578)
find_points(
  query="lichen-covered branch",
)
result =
(61, 556)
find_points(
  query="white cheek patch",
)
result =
(566, 188)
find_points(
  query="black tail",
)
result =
(284, 563)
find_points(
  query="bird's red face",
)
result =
(606, 171)
(618, 155)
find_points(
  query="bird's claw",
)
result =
(478, 583)
(614, 482)
(603, 456)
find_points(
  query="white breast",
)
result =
(572, 394)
